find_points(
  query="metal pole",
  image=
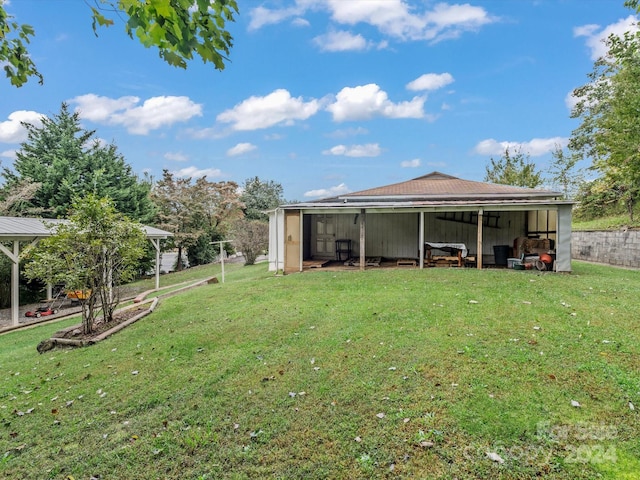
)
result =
(221, 242)
(222, 260)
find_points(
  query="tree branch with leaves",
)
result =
(180, 29)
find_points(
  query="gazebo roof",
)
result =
(26, 229)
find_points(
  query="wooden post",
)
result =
(479, 254)
(362, 239)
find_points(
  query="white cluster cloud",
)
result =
(12, 130)
(596, 35)
(415, 163)
(367, 150)
(344, 41)
(176, 156)
(368, 101)
(195, 172)
(279, 107)
(154, 113)
(240, 149)
(535, 147)
(328, 192)
(10, 154)
(393, 18)
(430, 81)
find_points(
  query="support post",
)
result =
(156, 244)
(421, 240)
(15, 288)
(479, 254)
(363, 256)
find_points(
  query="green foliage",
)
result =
(251, 237)
(562, 172)
(67, 161)
(96, 250)
(603, 197)
(513, 169)
(259, 196)
(609, 110)
(195, 212)
(14, 58)
(180, 29)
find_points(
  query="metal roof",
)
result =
(22, 228)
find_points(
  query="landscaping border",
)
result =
(52, 342)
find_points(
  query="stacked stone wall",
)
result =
(621, 248)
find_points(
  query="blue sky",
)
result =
(323, 96)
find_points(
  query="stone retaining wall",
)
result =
(621, 248)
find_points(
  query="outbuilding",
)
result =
(417, 221)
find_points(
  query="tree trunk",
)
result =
(179, 265)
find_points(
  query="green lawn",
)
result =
(381, 374)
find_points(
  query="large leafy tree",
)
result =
(564, 173)
(96, 251)
(197, 213)
(179, 29)
(513, 169)
(608, 107)
(259, 196)
(67, 161)
(251, 237)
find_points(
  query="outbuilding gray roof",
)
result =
(439, 186)
(26, 229)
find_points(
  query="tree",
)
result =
(251, 237)
(197, 213)
(96, 251)
(259, 196)
(513, 169)
(608, 107)
(68, 161)
(180, 29)
(562, 172)
(17, 199)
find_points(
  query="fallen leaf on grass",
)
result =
(575, 404)
(380, 415)
(426, 444)
(495, 457)
(135, 372)
(358, 439)
(631, 407)
(473, 302)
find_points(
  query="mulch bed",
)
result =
(119, 317)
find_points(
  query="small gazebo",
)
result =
(20, 230)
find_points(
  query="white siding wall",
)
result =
(510, 226)
(395, 235)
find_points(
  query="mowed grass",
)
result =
(381, 374)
